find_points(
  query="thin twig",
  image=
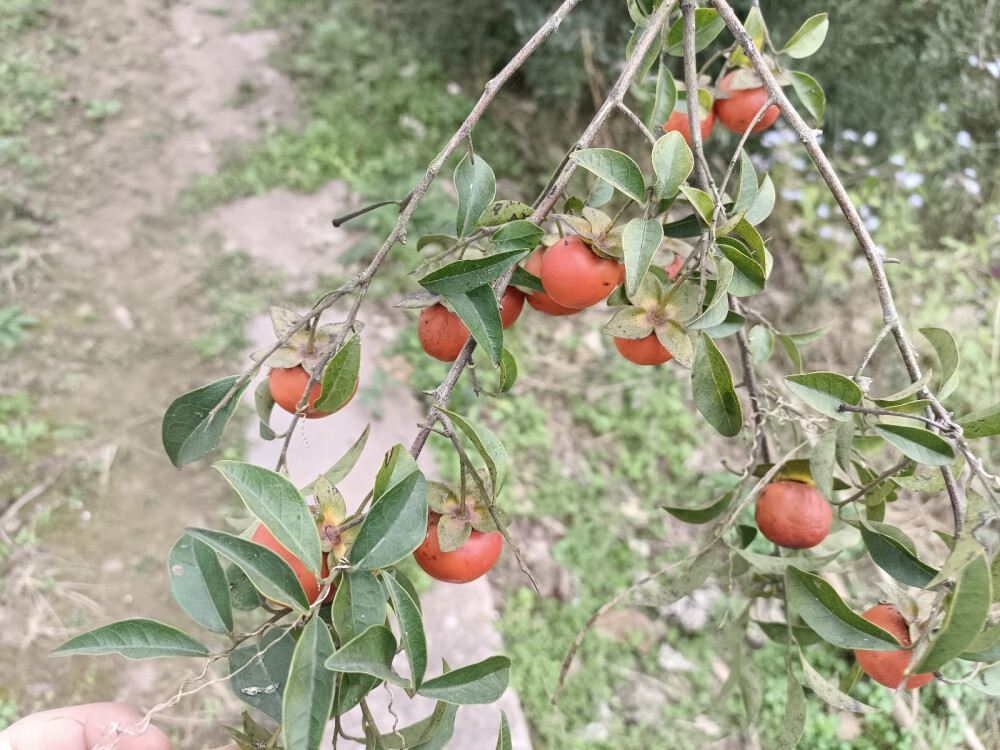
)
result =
(753, 390)
(638, 123)
(875, 411)
(874, 483)
(339, 221)
(886, 329)
(693, 105)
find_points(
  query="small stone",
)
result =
(673, 660)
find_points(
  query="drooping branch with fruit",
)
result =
(338, 608)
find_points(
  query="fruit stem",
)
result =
(312, 326)
(607, 230)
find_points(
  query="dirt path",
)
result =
(120, 297)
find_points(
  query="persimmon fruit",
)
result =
(473, 559)
(647, 351)
(575, 276)
(678, 123)
(793, 514)
(540, 300)
(442, 334)
(310, 583)
(287, 386)
(887, 667)
(738, 110)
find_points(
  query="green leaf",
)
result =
(411, 629)
(947, 350)
(793, 723)
(526, 280)
(488, 445)
(358, 603)
(778, 632)
(965, 616)
(444, 240)
(137, 638)
(264, 403)
(982, 423)
(717, 310)
(904, 395)
(770, 565)
(336, 473)
(615, 168)
(308, 695)
(929, 482)
(730, 325)
(894, 558)
(258, 671)
(763, 204)
(807, 337)
(269, 574)
(707, 24)
(754, 26)
(675, 340)
(791, 350)
(244, 596)
(351, 688)
(810, 92)
(987, 681)
(187, 433)
(504, 741)
(517, 236)
(397, 466)
(701, 515)
(480, 312)
(701, 202)
(821, 463)
(603, 192)
(967, 547)
(684, 228)
(825, 612)
(501, 212)
(508, 372)
(747, 191)
(476, 187)
(199, 584)
(279, 506)
(921, 445)
(369, 653)
(672, 163)
(748, 277)
(664, 99)
(464, 276)
(341, 376)
(476, 684)
(640, 240)
(825, 392)
(809, 38)
(830, 693)
(712, 387)
(395, 525)
(432, 732)
(761, 345)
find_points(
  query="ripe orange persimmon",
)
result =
(678, 122)
(575, 276)
(473, 559)
(887, 667)
(310, 584)
(539, 300)
(737, 112)
(442, 334)
(647, 351)
(288, 385)
(793, 514)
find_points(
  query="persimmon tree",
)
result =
(333, 608)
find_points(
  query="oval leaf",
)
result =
(370, 653)
(825, 392)
(640, 240)
(488, 445)
(411, 629)
(279, 506)
(395, 525)
(308, 695)
(476, 684)
(707, 24)
(269, 574)
(808, 38)
(921, 445)
(895, 559)
(615, 168)
(340, 379)
(964, 618)
(358, 604)
(480, 312)
(830, 693)
(982, 423)
(702, 515)
(810, 92)
(464, 276)
(672, 162)
(137, 638)
(712, 388)
(502, 212)
(258, 671)
(476, 187)
(187, 433)
(199, 584)
(947, 350)
(825, 612)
